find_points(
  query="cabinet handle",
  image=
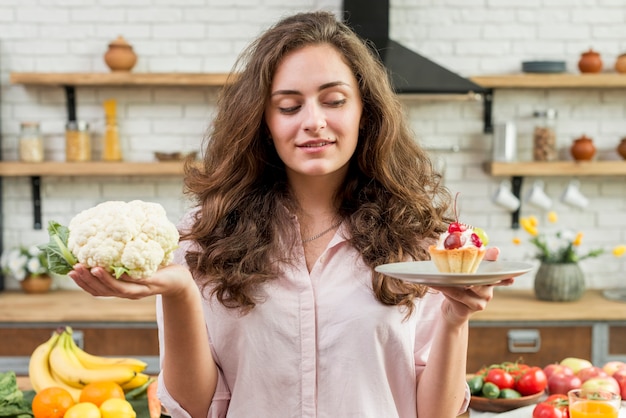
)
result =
(524, 340)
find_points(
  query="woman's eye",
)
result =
(289, 109)
(336, 103)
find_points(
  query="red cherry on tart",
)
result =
(460, 249)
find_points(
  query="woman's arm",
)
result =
(189, 371)
(441, 390)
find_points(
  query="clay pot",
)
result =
(590, 62)
(120, 55)
(583, 148)
(621, 148)
(36, 284)
(620, 64)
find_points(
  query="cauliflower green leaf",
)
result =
(60, 258)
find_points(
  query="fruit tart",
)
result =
(459, 250)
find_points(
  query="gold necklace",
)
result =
(321, 234)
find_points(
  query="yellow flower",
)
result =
(529, 226)
(619, 251)
(578, 240)
(533, 220)
(517, 241)
(553, 217)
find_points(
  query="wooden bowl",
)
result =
(480, 403)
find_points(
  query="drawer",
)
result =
(532, 345)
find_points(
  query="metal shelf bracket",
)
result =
(36, 191)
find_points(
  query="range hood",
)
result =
(410, 72)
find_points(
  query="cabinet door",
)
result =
(545, 345)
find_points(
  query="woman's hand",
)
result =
(461, 302)
(97, 281)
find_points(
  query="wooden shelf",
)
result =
(95, 168)
(121, 79)
(544, 81)
(556, 168)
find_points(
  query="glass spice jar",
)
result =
(544, 136)
(77, 141)
(31, 143)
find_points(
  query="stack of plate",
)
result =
(543, 66)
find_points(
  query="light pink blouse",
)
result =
(320, 345)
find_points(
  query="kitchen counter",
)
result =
(521, 305)
(79, 306)
(68, 306)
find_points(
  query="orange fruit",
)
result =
(98, 392)
(51, 402)
(83, 410)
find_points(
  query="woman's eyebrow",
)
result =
(322, 87)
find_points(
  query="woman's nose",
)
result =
(314, 118)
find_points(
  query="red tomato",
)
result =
(500, 378)
(555, 406)
(532, 381)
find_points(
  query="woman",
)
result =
(311, 178)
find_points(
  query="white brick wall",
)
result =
(467, 36)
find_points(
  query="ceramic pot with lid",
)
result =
(120, 55)
(590, 62)
(583, 148)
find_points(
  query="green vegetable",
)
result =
(139, 392)
(490, 390)
(509, 394)
(12, 402)
(475, 384)
(60, 258)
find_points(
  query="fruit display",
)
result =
(60, 363)
(509, 385)
(460, 249)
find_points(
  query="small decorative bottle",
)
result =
(112, 150)
(31, 143)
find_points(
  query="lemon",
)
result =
(117, 408)
(83, 410)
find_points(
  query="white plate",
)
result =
(425, 272)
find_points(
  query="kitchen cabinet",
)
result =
(518, 170)
(516, 325)
(103, 326)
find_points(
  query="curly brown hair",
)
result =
(393, 201)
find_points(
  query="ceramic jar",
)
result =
(559, 282)
(620, 64)
(621, 148)
(590, 62)
(583, 149)
(120, 55)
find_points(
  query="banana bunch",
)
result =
(61, 363)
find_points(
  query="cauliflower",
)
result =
(135, 238)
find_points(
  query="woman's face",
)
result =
(314, 111)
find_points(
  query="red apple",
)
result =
(602, 383)
(620, 377)
(550, 369)
(612, 366)
(562, 382)
(575, 363)
(589, 372)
